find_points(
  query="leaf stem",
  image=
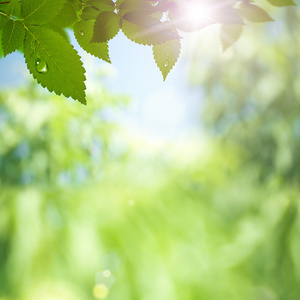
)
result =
(9, 16)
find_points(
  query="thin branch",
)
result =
(7, 2)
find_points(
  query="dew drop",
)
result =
(166, 64)
(41, 65)
(81, 33)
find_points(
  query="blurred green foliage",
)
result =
(252, 96)
(214, 218)
(46, 140)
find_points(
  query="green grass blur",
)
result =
(87, 211)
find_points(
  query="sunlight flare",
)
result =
(192, 15)
(197, 12)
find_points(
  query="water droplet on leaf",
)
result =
(41, 65)
(166, 64)
(81, 33)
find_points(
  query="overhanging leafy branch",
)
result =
(37, 28)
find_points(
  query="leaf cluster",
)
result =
(38, 29)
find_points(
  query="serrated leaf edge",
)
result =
(106, 60)
(45, 86)
(148, 44)
(177, 58)
(5, 53)
(221, 41)
(120, 25)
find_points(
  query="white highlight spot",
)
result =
(106, 273)
(131, 202)
(196, 12)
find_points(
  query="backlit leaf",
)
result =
(107, 25)
(281, 3)
(83, 31)
(227, 15)
(3, 21)
(145, 30)
(40, 11)
(12, 36)
(102, 5)
(230, 34)
(166, 56)
(54, 63)
(76, 4)
(89, 13)
(59, 30)
(14, 8)
(254, 13)
(66, 17)
(136, 5)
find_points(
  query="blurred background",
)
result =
(187, 189)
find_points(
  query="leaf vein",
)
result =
(74, 86)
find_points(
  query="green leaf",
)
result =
(107, 25)
(166, 56)
(282, 3)
(230, 34)
(76, 4)
(118, 3)
(54, 63)
(136, 5)
(142, 19)
(12, 36)
(254, 13)
(59, 30)
(89, 13)
(227, 15)
(66, 17)
(40, 12)
(83, 31)
(102, 5)
(145, 30)
(14, 8)
(3, 21)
